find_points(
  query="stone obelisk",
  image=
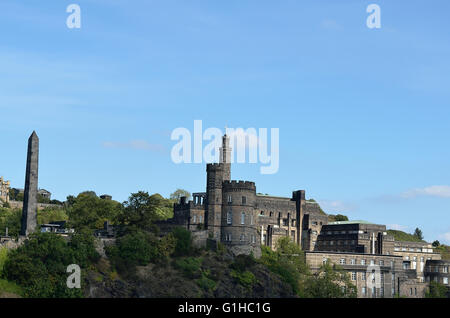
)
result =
(29, 213)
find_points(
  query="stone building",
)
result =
(374, 275)
(438, 271)
(4, 190)
(233, 213)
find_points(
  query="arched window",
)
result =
(242, 218)
(229, 217)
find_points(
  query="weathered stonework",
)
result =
(29, 212)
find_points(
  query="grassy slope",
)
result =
(444, 250)
(403, 236)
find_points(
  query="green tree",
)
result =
(90, 212)
(178, 194)
(436, 243)
(329, 282)
(436, 290)
(142, 210)
(39, 265)
(49, 215)
(11, 219)
(418, 234)
(183, 245)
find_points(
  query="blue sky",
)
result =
(363, 113)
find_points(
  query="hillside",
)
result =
(403, 236)
(444, 250)
(205, 275)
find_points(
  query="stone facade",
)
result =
(438, 271)
(4, 190)
(374, 276)
(29, 214)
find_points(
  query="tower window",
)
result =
(244, 200)
(242, 218)
(229, 217)
(229, 199)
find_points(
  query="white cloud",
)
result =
(397, 227)
(330, 25)
(334, 206)
(445, 238)
(135, 144)
(440, 191)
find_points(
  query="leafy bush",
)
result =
(436, 290)
(190, 266)
(206, 283)
(39, 265)
(246, 278)
(243, 263)
(184, 245)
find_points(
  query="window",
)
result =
(393, 278)
(195, 219)
(382, 291)
(285, 222)
(422, 259)
(229, 217)
(292, 222)
(407, 258)
(363, 262)
(244, 200)
(382, 277)
(342, 261)
(353, 275)
(381, 263)
(372, 262)
(445, 269)
(271, 214)
(392, 264)
(251, 219)
(262, 213)
(393, 291)
(242, 238)
(314, 223)
(242, 218)
(415, 291)
(445, 280)
(229, 199)
(364, 291)
(363, 276)
(410, 291)
(253, 239)
(331, 242)
(374, 291)
(353, 261)
(228, 237)
(200, 219)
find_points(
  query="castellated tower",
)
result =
(239, 223)
(216, 174)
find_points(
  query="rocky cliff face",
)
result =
(153, 281)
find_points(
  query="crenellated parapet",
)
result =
(240, 185)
